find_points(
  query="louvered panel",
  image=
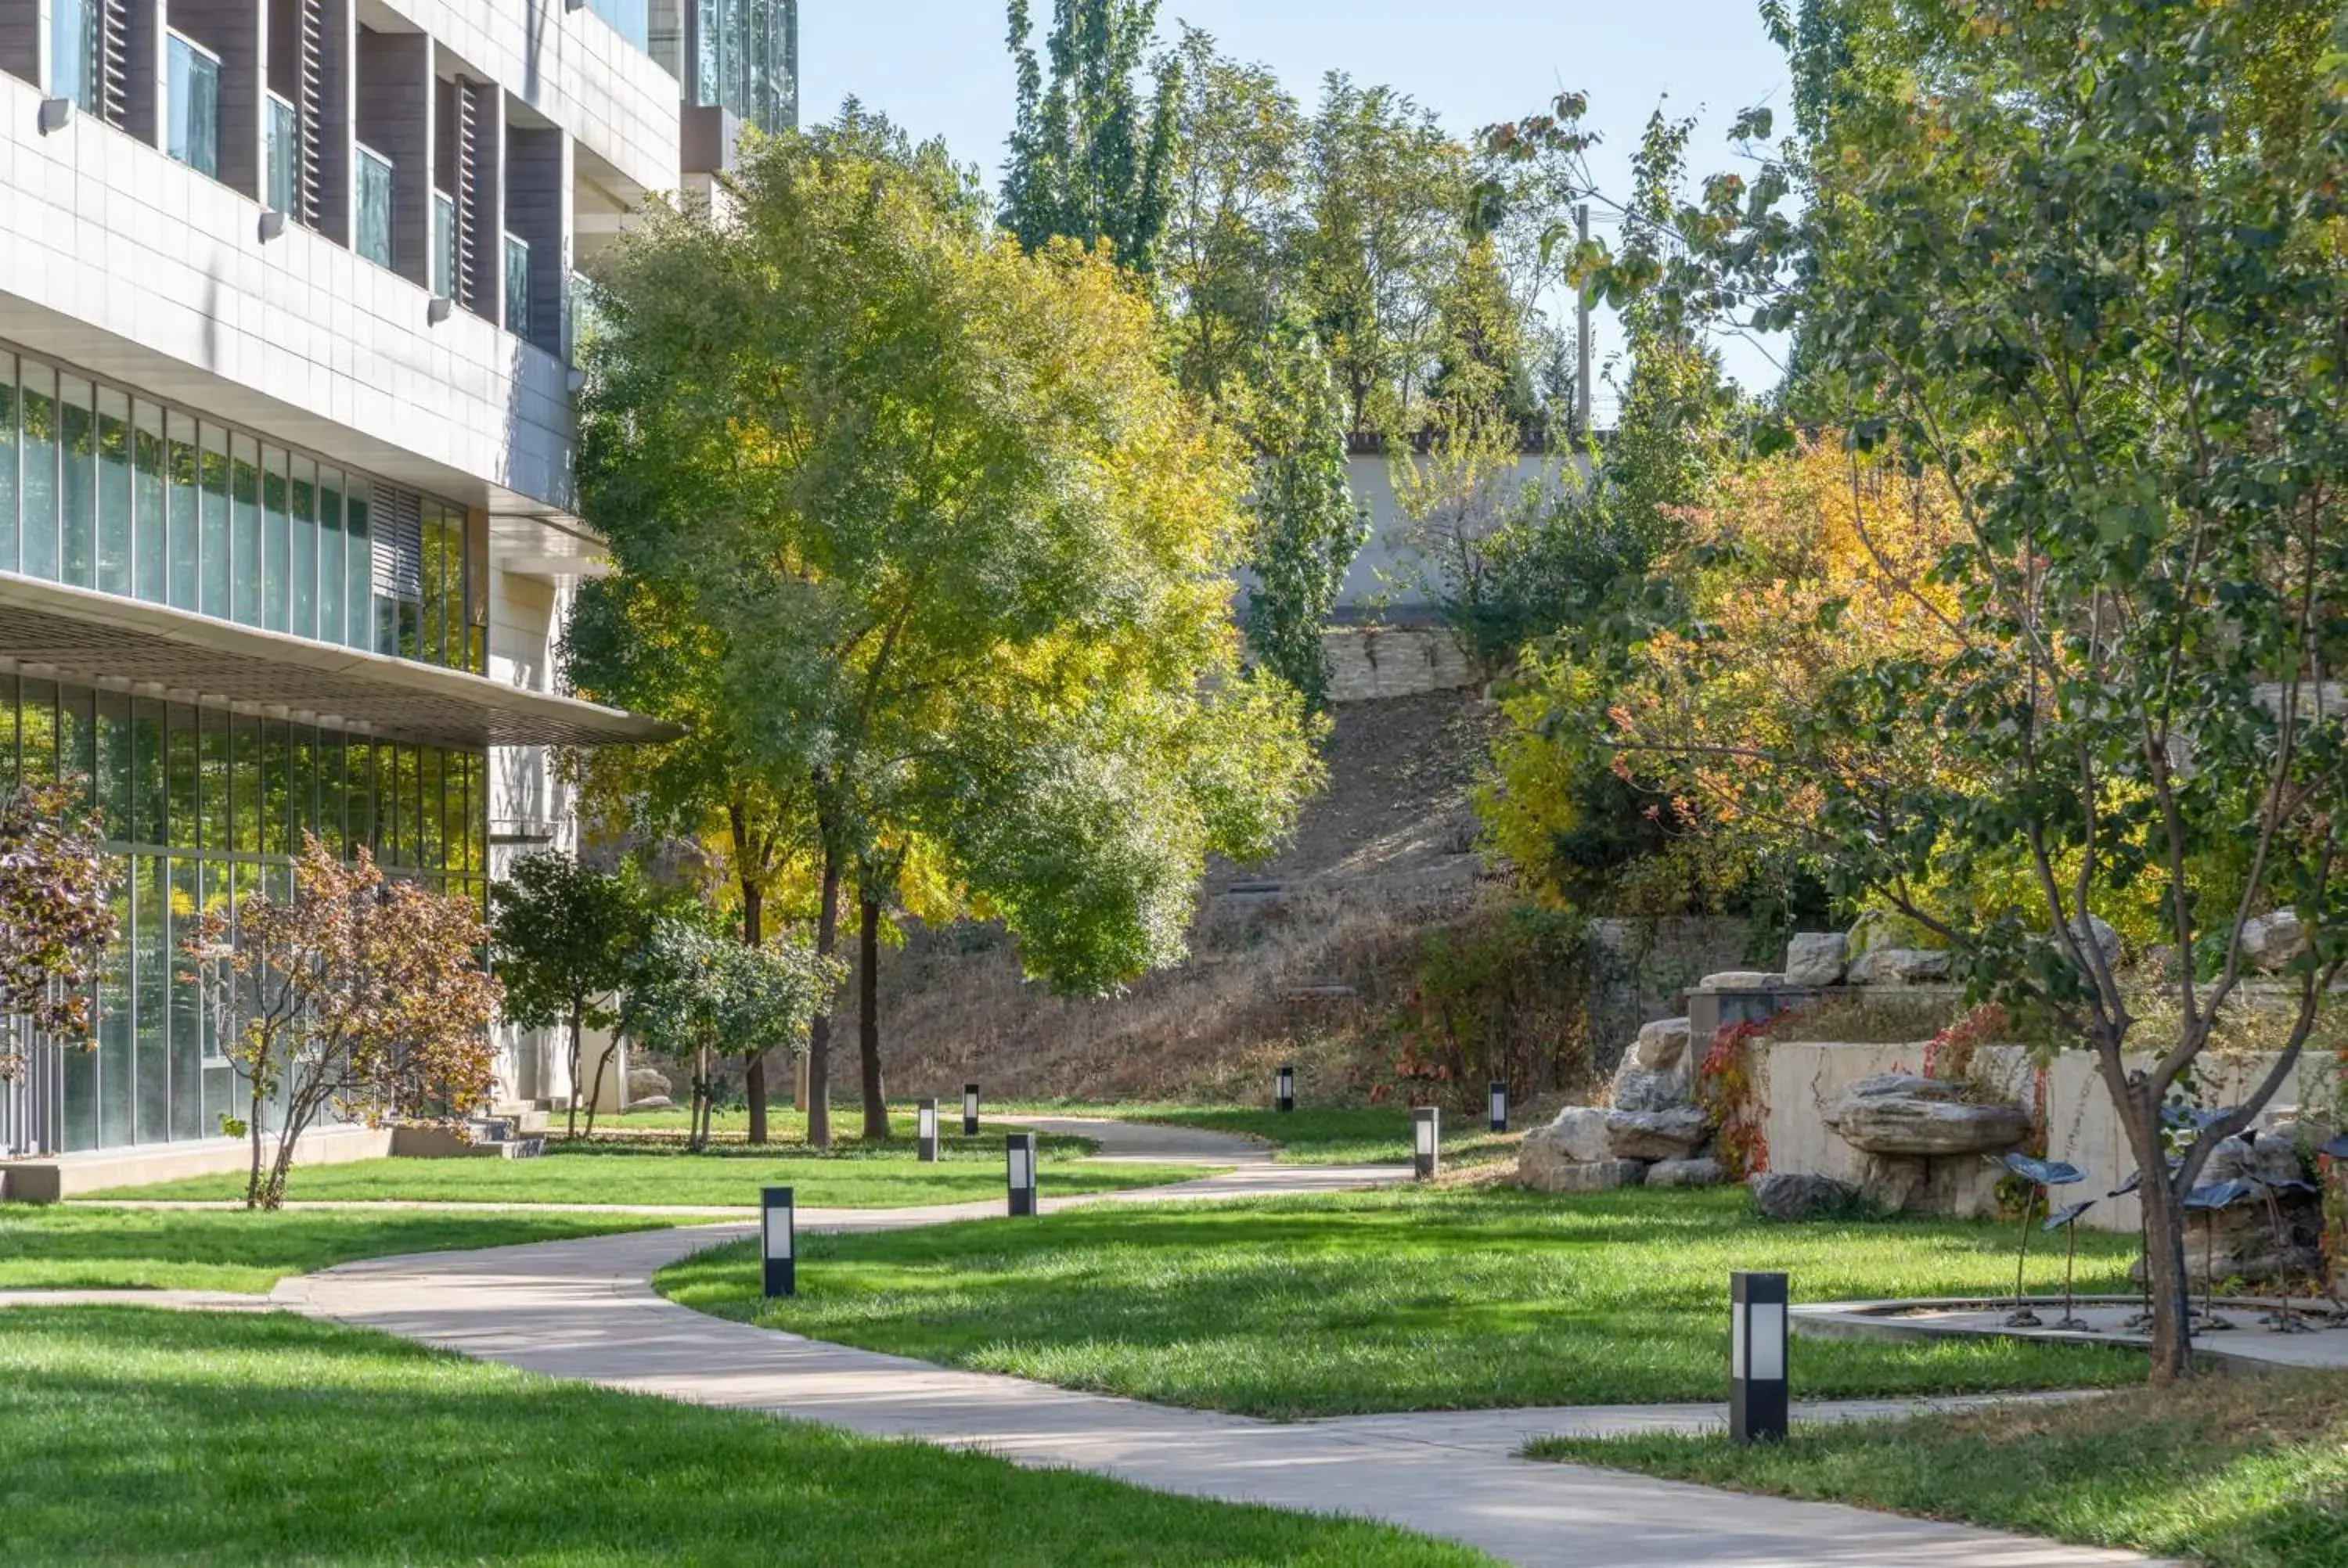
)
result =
(467, 160)
(312, 109)
(398, 543)
(113, 82)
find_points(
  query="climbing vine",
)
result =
(1729, 1086)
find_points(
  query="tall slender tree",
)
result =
(1092, 151)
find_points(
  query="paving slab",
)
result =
(585, 1309)
(2318, 1343)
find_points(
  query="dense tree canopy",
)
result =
(940, 548)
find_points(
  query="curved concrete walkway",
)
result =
(585, 1310)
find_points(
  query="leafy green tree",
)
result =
(1308, 529)
(1385, 198)
(698, 996)
(562, 936)
(1088, 161)
(909, 519)
(2081, 261)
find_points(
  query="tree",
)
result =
(1308, 529)
(698, 996)
(562, 936)
(1386, 196)
(56, 919)
(1085, 164)
(2081, 261)
(892, 498)
(356, 994)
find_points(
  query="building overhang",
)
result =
(73, 634)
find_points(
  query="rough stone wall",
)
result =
(1369, 662)
(1645, 965)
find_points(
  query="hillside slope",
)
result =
(1304, 957)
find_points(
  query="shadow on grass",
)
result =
(1399, 1300)
(129, 1436)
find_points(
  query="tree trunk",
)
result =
(574, 1132)
(252, 1129)
(827, 940)
(754, 1079)
(603, 1065)
(698, 1120)
(868, 1017)
(2166, 1286)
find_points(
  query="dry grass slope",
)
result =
(1303, 958)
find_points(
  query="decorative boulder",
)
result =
(1899, 966)
(1817, 959)
(1576, 1137)
(1595, 1176)
(2096, 931)
(2273, 939)
(2241, 1242)
(1637, 1088)
(1783, 1196)
(1657, 1134)
(652, 1102)
(2273, 1160)
(1743, 980)
(647, 1083)
(1888, 1115)
(1702, 1172)
(1662, 1044)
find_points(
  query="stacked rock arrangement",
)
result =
(1654, 1134)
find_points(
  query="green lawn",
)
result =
(853, 1175)
(2249, 1472)
(1307, 1135)
(135, 1437)
(1412, 1299)
(77, 1248)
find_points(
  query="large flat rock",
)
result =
(1911, 1122)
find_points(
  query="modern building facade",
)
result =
(287, 527)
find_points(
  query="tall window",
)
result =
(284, 153)
(444, 244)
(192, 131)
(374, 206)
(517, 261)
(75, 50)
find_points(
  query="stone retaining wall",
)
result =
(1798, 1077)
(1366, 662)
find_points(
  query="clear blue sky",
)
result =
(940, 67)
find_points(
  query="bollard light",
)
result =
(1019, 1162)
(1426, 1131)
(970, 1109)
(1285, 1097)
(925, 1126)
(1758, 1407)
(1499, 1096)
(778, 1223)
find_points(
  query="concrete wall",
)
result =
(1800, 1077)
(1370, 663)
(1382, 573)
(52, 1177)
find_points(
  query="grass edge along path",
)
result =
(1308, 1135)
(2246, 1471)
(128, 1435)
(1401, 1299)
(854, 1177)
(80, 1247)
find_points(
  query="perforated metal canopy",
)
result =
(75, 634)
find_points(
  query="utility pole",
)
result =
(1582, 332)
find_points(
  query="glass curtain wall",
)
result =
(375, 177)
(744, 56)
(101, 489)
(202, 807)
(75, 51)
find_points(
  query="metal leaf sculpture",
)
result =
(2063, 1216)
(2046, 1173)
